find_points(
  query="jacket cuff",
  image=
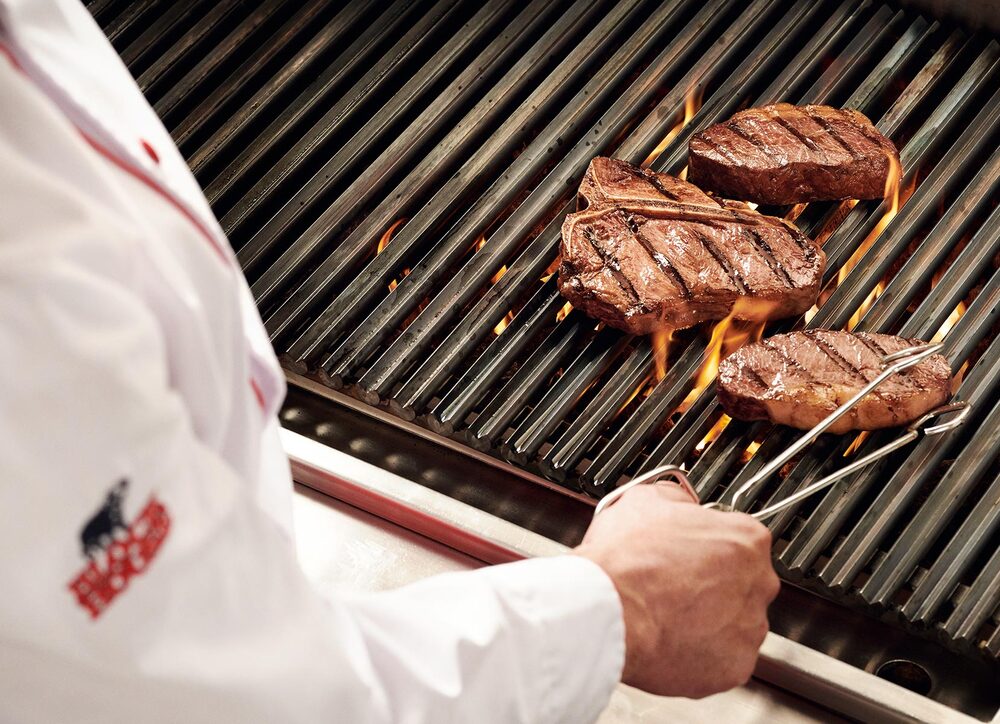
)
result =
(579, 641)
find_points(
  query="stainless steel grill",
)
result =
(394, 177)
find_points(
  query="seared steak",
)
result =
(798, 379)
(785, 154)
(653, 252)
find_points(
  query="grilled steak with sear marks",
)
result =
(785, 154)
(799, 378)
(653, 252)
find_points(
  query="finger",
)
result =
(673, 492)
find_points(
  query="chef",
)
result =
(148, 570)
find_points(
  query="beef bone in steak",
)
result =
(799, 378)
(652, 252)
(785, 154)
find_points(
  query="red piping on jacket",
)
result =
(156, 188)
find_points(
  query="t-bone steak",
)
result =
(650, 252)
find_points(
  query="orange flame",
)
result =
(564, 312)
(692, 104)
(950, 322)
(894, 198)
(480, 242)
(865, 306)
(384, 241)
(751, 450)
(551, 269)
(716, 430)
(744, 325)
(496, 277)
(660, 341)
(395, 282)
(858, 441)
(638, 388)
(502, 325)
(795, 212)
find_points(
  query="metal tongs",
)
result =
(892, 364)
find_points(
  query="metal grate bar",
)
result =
(539, 312)
(593, 360)
(481, 166)
(926, 525)
(247, 72)
(946, 176)
(573, 444)
(149, 62)
(939, 125)
(511, 398)
(359, 345)
(931, 253)
(978, 603)
(401, 150)
(278, 133)
(965, 545)
(209, 63)
(303, 63)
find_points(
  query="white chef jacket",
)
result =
(147, 564)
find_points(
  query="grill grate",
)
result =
(394, 177)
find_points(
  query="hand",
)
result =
(694, 584)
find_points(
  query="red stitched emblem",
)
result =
(116, 552)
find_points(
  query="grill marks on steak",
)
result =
(787, 154)
(652, 252)
(798, 379)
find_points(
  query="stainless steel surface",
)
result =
(785, 663)
(345, 550)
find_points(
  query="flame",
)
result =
(395, 282)
(795, 212)
(750, 451)
(811, 313)
(384, 241)
(638, 388)
(858, 441)
(894, 198)
(551, 269)
(744, 325)
(498, 330)
(496, 277)
(951, 321)
(480, 242)
(692, 104)
(564, 312)
(865, 306)
(661, 348)
(683, 175)
(716, 430)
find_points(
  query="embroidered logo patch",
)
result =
(117, 552)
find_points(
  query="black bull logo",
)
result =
(99, 532)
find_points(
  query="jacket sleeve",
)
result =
(217, 622)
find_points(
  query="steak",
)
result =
(799, 378)
(651, 252)
(785, 154)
